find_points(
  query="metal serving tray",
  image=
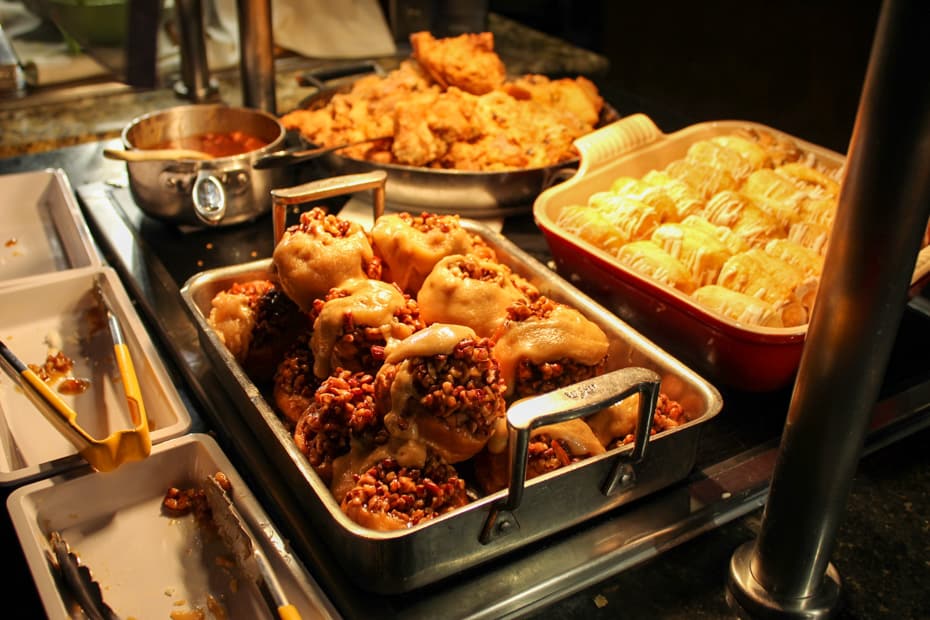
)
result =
(400, 561)
(751, 358)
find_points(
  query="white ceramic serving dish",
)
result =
(150, 563)
(42, 230)
(52, 310)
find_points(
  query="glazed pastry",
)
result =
(720, 157)
(810, 235)
(614, 426)
(742, 308)
(320, 253)
(792, 252)
(776, 195)
(686, 200)
(442, 387)
(814, 181)
(733, 242)
(779, 148)
(757, 274)
(819, 210)
(354, 324)
(743, 217)
(704, 178)
(592, 226)
(256, 322)
(750, 150)
(342, 409)
(634, 219)
(469, 291)
(651, 261)
(669, 414)
(294, 381)
(551, 447)
(389, 495)
(652, 195)
(546, 345)
(410, 246)
(701, 252)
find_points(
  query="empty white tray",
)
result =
(43, 229)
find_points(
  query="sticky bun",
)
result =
(294, 382)
(256, 321)
(342, 410)
(470, 291)
(551, 447)
(442, 386)
(410, 246)
(544, 345)
(354, 324)
(392, 496)
(614, 426)
(323, 251)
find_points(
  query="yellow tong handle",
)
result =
(288, 612)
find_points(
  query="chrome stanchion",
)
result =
(256, 55)
(883, 209)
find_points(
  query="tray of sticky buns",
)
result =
(711, 239)
(434, 396)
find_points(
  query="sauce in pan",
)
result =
(217, 144)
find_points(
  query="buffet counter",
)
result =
(666, 555)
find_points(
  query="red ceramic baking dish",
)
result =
(748, 357)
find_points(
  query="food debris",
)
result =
(11, 242)
(209, 245)
(600, 601)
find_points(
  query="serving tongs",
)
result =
(253, 563)
(121, 446)
(78, 579)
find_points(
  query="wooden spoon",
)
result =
(155, 154)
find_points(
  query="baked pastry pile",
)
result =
(452, 106)
(740, 224)
(397, 355)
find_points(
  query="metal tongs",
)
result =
(132, 444)
(231, 527)
(78, 579)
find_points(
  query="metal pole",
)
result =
(883, 209)
(195, 83)
(256, 54)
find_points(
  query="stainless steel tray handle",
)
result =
(574, 401)
(326, 188)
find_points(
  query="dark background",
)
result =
(793, 65)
